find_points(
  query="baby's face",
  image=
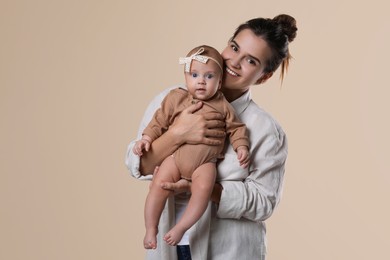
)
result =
(203, 80)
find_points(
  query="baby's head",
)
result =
(203, 71)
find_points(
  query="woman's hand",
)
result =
(178, 187)
(187, 128)
(192, 128)
(185, 186)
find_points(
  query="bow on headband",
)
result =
(196, 56)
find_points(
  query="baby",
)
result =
(196, 163)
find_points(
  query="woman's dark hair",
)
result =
(278, 33)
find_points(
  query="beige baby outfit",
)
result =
(189, 157)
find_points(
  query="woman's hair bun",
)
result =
(288, 24)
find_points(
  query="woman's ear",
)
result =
(264, 78)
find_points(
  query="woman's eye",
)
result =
(252, 62)
(234, 48)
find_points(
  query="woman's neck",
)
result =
(232, 94)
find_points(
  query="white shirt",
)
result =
(249, 196)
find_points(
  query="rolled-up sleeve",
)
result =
(256, 196)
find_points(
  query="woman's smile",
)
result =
(230, 72)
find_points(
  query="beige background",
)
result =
(75, 77)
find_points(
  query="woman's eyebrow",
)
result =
(253, 57)
(235, 43)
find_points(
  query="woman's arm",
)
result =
(256, 197)
(187, 128)
(255, 194)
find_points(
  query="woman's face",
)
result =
(245, 58)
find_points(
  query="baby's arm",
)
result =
(243, 156)
(143, 144)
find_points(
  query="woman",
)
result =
(232, 226)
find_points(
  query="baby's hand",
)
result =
(140, 145)
(243, 156)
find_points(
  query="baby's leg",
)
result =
(155, 201)
(203, 180)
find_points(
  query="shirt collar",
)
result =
(241, 103)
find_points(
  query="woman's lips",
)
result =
(230, 72)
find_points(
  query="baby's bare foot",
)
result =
(150, 240)
(174, 236)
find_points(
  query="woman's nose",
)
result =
(235, 62)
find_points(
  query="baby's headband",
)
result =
(196, 56)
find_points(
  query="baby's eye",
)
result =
(194, 74)
(209, 76)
